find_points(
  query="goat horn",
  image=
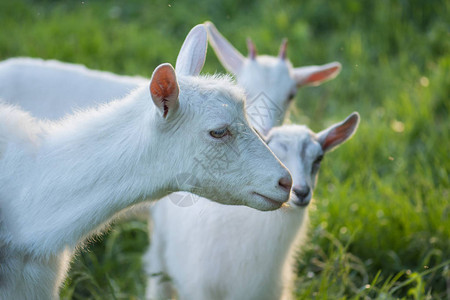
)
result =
(282, 54)
(251, 49)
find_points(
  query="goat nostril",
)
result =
(285, 183)
(301, 193)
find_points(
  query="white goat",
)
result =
(270, 83)
(210, 251)
(51, 89)
(59, 182)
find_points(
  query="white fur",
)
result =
(210, 251)
(52, 89)
(61, 181)
(270, 82)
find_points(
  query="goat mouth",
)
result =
(270, 200)
(300, 203)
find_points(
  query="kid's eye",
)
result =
(291, 96)
(219, 133)
(318, 160)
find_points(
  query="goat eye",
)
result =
(291, 96)
(219, 133)
(318, 160)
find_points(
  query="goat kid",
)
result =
(62, 181)
(211, 251)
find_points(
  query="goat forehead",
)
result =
(212, 96)
(267, 74)
(272, 61)
(298, 139)
(205, 88)
(269, 67)
(290, 134)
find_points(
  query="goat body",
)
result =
(210, 251)
(62, 181)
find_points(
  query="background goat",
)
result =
(210, 251)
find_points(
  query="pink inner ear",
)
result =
(164, 85)
(322, 75)
(337, 135)
(164, 88)
(330, 140)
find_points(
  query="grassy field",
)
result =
(381, 221)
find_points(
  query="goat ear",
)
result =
(164, 89)
(192, 54)
(315, 75)
(338, 133)
(230, 58)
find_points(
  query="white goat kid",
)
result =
(61, 181)
(270, 82)
(210, 251)
(52, 89)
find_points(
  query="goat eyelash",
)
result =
(219, 133)
(318, 159)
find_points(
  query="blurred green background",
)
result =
(380, 223)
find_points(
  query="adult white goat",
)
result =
(61, 181)
(51, 89)
(210, 251)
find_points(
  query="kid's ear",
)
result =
(338, 133)
(192, 54)
(230, 58)
(164, 89)
(315, 75)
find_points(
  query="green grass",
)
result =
(380, 224)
